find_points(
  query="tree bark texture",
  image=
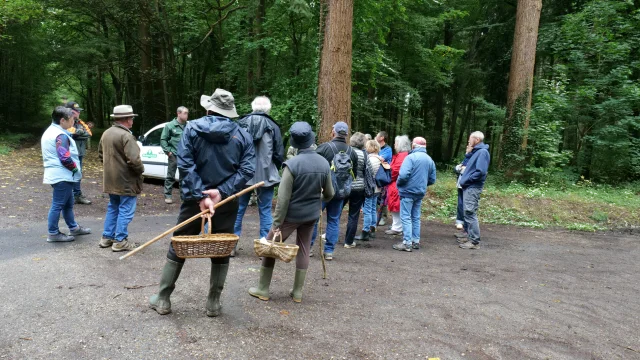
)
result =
(334, 80)
(523, 61)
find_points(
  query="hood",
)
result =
(480, 146)
(256, 124)
(214, 129)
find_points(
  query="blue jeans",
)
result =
(120, 212)
(334, 210)
(370, 214)
(410, 216)
(265, 200)
(76, 185)
(62, 202)
(471, 199)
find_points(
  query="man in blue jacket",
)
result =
(216, 159)
(472, 182)
(416, 173)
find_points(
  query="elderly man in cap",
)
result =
(171, 135)
(81, 134)
(122, 178)
(269, 148)
(216, 159)
(416, 173)
(306, 183)
(329, 151)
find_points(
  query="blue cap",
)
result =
(341, 128)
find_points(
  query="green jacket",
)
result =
(171, 135)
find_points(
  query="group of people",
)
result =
(217, 157)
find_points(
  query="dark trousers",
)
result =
(171, 176)
(303, 240)
(222, 222)
(77, 191)
(356, 200)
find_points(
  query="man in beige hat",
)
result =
(122, 178)
(216, 159)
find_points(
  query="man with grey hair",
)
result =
(267, 141)
(169, 140)
(472, 182)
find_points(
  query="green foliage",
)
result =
(10, 142)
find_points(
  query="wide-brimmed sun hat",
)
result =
(302, 136)
(221, 102)
(123, 111)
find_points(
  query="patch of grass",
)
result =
(584, 206)
(10, 142)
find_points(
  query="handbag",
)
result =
(383, 176)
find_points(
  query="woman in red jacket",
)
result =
(402, 146)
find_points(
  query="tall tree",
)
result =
(523, 59)
(334, 79)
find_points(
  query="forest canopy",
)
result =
(433, 68)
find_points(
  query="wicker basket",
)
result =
(205, 245)
(278, 250)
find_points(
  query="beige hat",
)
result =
(123, 111)
(221, 102)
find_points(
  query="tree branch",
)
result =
(211, 27)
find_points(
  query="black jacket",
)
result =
(328, 151)
(214, 153)
(256, 124)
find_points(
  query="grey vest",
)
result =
(310, 171)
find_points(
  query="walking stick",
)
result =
(195, 217)
(324, 264)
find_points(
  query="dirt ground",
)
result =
(526, 294)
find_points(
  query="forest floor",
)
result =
(527, 293)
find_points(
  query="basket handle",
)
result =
(206, 216)
(277, 233)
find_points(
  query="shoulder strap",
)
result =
(332, 146)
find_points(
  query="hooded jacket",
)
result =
(475, 173)
(416, 173)
(268, 145)
(215, 153)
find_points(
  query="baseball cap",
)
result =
(341, 128)
(73, 106)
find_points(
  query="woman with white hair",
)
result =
(403, 147)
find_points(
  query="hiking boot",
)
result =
(298, 284)
(461, 235)
(160, 302)
(216, 284)
(462, 240)
(372, 232)
(349, 246)
(393, 232)
(402, 247)
(262, 290)
(124, 245)
(105, 242)
(80, 199)
(79, 231)
(459, 226)
(382, 222)
(168, 200)
(469, 245)
(60, 237)
(415, 246)
(364, 236)
(328, 256)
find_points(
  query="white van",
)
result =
(154, 159)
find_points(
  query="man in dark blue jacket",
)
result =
(216, 159)
(472, 182)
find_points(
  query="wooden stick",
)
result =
(324, 264)
(195, 217)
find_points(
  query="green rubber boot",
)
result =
(218, 277)
(160, 302)
(298, 284)
(262, 291)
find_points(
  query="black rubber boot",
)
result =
(218, 277)
(364, 236)
(160, 302)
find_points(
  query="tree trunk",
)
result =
(146, 69)
(100, 108)
(436, 142)
(334, 80)
(260, 50)
(523, 59)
